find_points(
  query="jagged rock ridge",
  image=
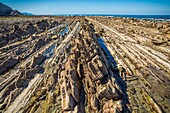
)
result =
(82, 64)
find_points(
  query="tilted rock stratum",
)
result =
(82, 65)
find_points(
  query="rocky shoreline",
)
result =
(84, 64)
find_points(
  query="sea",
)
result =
(146, 17)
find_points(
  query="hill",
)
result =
(8, 11)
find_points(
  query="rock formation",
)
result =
(82, 65)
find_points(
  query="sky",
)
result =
(131, 7)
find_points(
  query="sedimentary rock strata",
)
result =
(145, 58)
(82, 65)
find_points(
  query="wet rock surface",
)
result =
(82, 65)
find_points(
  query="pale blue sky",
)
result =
(91, 6)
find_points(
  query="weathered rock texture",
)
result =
(81, 65)
(142, 51)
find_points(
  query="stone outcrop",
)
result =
(37, 60)
(141, 52)
(77, 79)
(83, 64)
(9, 63)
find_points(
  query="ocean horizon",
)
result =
(119, 15)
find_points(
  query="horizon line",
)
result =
(93, 14)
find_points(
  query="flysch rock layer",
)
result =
(134, 45)
(82, 65)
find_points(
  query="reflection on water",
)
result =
(55, 27)
(64, 31)
(107, 52)
(49, 52)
